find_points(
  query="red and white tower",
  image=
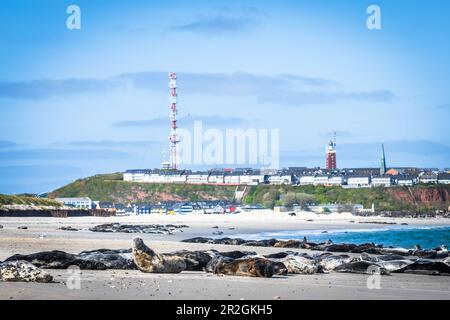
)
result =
(331, 154)
(173, 138)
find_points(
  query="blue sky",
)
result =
(78, 102)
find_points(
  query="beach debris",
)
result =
(1, 227)
(42, 236)
(128, 228)
(215, 227)
(22, 228)
(217, 233)
(23, 271)
(277, 297)
(69, 228)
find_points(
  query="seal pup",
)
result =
(251, 267)
(149, 261)
(21, 270)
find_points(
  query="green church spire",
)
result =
(383, 161)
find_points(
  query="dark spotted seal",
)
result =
(149, 261)
(251, 267)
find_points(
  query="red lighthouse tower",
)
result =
(331, 154)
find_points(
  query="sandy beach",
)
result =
(42, 234)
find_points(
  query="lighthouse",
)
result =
(330, 152)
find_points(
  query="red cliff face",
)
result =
(436, 195)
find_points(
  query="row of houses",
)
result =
(199, 207)
(205, 207)
(225, 177)
(356, 177)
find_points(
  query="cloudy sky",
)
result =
(78, 102)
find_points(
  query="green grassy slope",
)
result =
(26, 200)
(419, 198)
(111, 188)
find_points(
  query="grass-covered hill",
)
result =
(27, 200)
(418, 198)
(111, 187)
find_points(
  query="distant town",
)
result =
(330, 176)
(170, 173)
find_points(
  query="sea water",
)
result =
(396, 236)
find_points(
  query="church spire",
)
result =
(383, 161)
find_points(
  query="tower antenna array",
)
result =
(173, 137)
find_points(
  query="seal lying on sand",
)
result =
(426, 267)
(216, 262)
(251, 267)
(329, 263)
(363, 267)
(149, 261)
(301, 265)
(23, 271)
(58, 260)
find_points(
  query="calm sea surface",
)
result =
(396, 236)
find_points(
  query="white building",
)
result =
(337, 181)
(251, 179)
(197, 178)
(281, 179)
(321, 180)
(305, 180)
(444, 178)
(381, 181)
(136, 176)
(358, 181)
(405, 181)
(82, 203)
(231, 178)
(215, 178)
(428, 178)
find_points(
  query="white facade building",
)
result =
(358, 181)
(321, 180)
(82, 203)
(336, 181)
(381, 181)
(305, 180)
